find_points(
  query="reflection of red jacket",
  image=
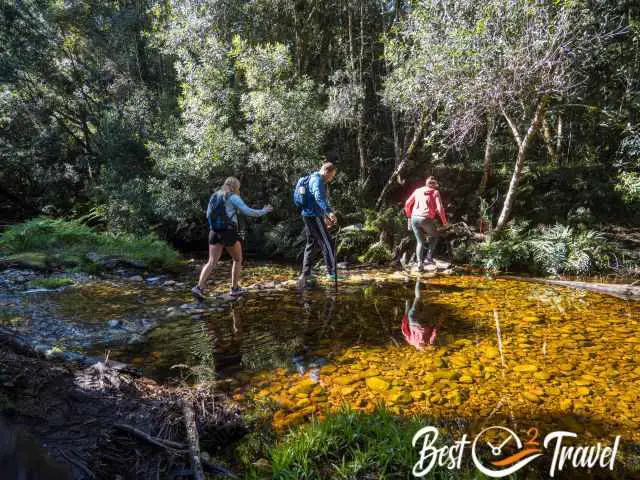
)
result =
(416, 335)
(425, 202)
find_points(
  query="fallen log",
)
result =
(624, 291)
(194, 442)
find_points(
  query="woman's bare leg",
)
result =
(236, 255)
(214, 255)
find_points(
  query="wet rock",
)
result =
(114, 323)
(525, 368)
(38, 290)
(402, 398)
(377, 384)
(135, 338)
(136, 278)
(174, 312)
(347, 380)
(532, 397)
(41, 348)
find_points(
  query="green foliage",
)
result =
(509, 251)
(552, 250)
(137, 111)
(373, 241)
(352, 243)
(71, 242)
(350, 444)
(560, 249)
(629, 186)
(347, 445)
(378, 253)
(53, 282)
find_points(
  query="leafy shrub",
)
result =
(378, 253)
(508, 251)
(561, 249)
(372, 242)
(551, 250)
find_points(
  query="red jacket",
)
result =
(425, 202)
(418, 335)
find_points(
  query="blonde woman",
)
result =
(222, 215)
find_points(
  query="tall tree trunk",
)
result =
(417, 137)
(559, 140)
(361, 121)
(548, 141)
(523, 147)
(486, 167)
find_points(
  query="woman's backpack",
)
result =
(217, 216)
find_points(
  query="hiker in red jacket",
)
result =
(414, 331)
(421, 208)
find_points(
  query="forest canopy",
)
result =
(130, 113)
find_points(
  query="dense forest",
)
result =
(128, 114)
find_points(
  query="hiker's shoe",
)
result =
(429, 265)
(441, 264)
(237, 292)
(305, 281)
(198, 293)
(334, 277)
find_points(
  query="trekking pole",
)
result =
(335, 259)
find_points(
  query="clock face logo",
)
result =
(490, 446)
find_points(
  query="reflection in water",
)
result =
(416, 331)
(504, 352)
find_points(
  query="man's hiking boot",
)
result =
(198, 293)
(334, 277)
(305, 281)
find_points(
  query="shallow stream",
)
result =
(471, 349)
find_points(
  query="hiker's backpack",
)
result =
(217, 213)
(301, 193)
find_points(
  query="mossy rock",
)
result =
(32, 260)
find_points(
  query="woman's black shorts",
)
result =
(228, 238)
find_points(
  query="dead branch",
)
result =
(159, 442)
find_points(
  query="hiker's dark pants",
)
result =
(317, 235)
(422, 226)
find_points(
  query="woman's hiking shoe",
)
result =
(238, 291)
(198, 293)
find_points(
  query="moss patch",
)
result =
(41, 242)
(52, 282)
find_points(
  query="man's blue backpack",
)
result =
(301, 193)
(217, 216)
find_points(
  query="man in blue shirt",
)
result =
(318, 216)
